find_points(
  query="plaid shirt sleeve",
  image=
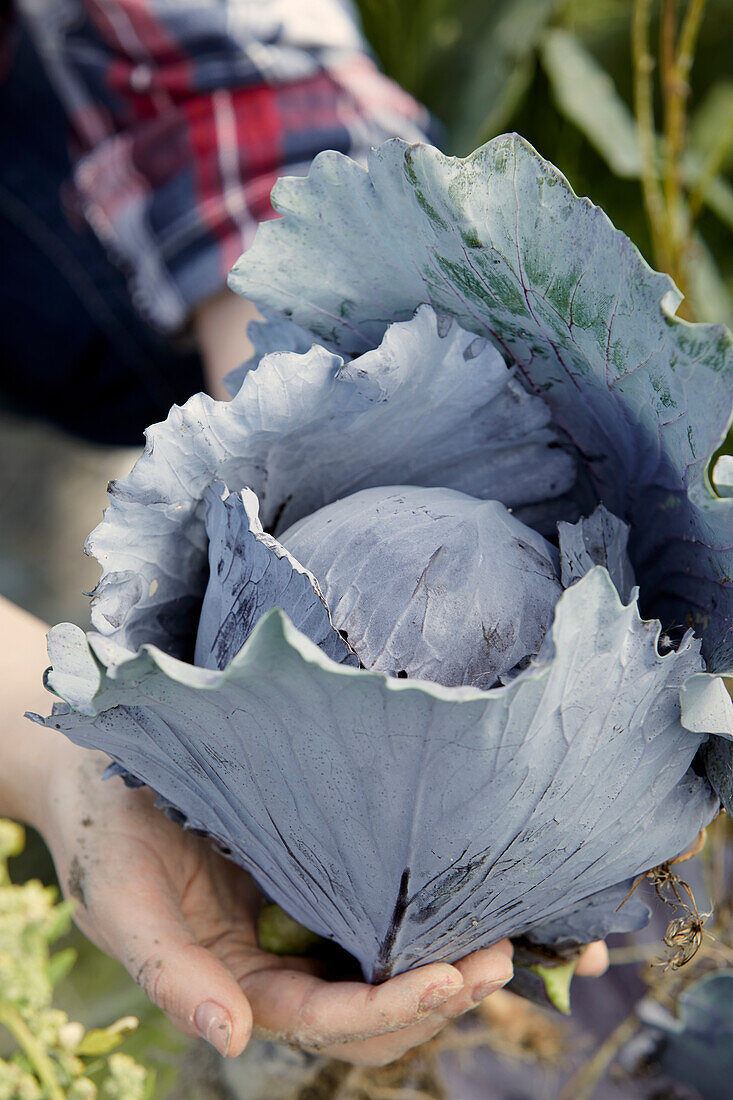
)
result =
(185, 113)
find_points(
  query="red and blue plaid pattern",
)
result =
(184, 113)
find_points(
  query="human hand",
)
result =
(182, 919)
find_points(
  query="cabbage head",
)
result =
(428, 626)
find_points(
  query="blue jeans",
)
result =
(72, 348)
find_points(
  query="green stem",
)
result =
(679, 77)
(669, 80)
(676, 86)
(644, 112)
(688, 37)
(42, 1065)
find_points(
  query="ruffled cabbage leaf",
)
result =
(302, 431)
(570, 779)
(267, 336)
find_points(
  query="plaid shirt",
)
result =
(184, 112)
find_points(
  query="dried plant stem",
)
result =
(644, 111)
(583, 1084)
(679, 87)
(713, 859)
(387, 1093)
(415, 1076)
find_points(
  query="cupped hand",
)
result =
(182, 920)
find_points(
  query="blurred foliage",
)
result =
(631, 99)
(55, 1058)
(98, 989)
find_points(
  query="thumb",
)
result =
(194, 989)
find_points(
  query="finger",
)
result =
(384, 1049)
(302, 1009)
(195, 989)
(594, 960)
(484, 972)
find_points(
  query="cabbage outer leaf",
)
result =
(407, 821)
(594, 918)
(707, 707)
(500, 242)
(697, 1047)
(267, 336)
(723, 476)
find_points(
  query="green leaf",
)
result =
(60, 965)
(501, 67)
(587, 96)
(430, 26)
(712, 118)
(103, 1040)
(281, 935)
(61, 922)
(719, 198)
(151, 1081)
(706, 286)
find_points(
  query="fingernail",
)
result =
(437, 995)
(213, 1024)
(483, 989)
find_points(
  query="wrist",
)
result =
(59, 790)
(25, 748)
(220, 325)
(38, 756)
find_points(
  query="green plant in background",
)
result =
(632, 99)
(55, 1057)
(471, 62)
(680, 168)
